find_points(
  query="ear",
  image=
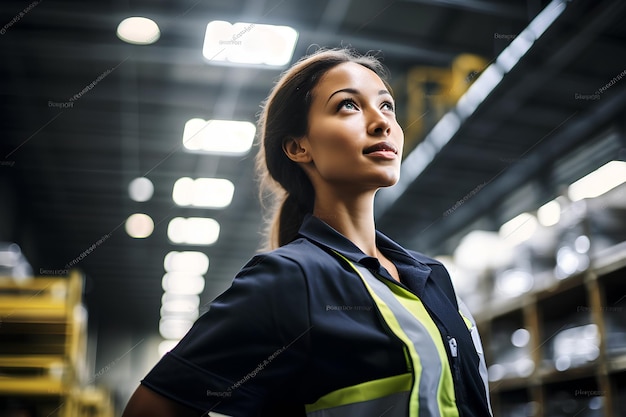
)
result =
(296, 149)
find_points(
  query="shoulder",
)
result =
(300, 255)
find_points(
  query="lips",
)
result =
(381, 147)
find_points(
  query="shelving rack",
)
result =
(594, 387)
(43, 346)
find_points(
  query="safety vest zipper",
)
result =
(456, 367)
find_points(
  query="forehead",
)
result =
(350, 75)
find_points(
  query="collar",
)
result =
(318, 231)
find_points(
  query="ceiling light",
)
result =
(218, 136)
(193, 230)
(599, 181)
(549, 214)
(139, 225)
(515, 51)
(171, 328)
(141, 189)
(203, 192)
(192, 299)
(444, 130)
(519, 228)
(546, 17)
(138, 31)
(479, 90)
(179, 309)
(187, 261)
(248, 44)
(182, 283)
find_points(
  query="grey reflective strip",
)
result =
(478, 345)
(394, 405)
(424, 346)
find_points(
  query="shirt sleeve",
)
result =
(248, 350)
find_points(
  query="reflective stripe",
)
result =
(436, 387)
(365, 392)
(393, 405)
(432, 393)
(478, 345)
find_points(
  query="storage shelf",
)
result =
(588, 297)
(562, 285)
(32, 386)
(610, 259)
(549, 375)
(511, 384)
(43, 348)
(504, 307)
(616, 364)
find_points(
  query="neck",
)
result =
(352, 216)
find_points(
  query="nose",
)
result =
(378, 125)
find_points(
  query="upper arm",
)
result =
(147, 403)
(247, 350)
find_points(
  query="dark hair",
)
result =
(284, 116)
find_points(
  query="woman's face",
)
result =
(353, 141)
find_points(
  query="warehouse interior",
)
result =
(514, 176)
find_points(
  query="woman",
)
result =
(337, 319)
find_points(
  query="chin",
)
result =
(390, 181)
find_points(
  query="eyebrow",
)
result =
(354, 91)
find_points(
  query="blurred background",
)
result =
(128, 200)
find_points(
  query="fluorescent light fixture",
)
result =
(138, 31)
(490, 78)
(515, 51)
(188, 298)
(519, 229)
(549, 214)
(222, 137)
(171, 328)
(203, 192)
(599, 181)
(141, 189)
(179, 309)
(511, 55)
(546, 17)
(248, 44)
(479, 90)
(139, 225)
(182, 283)
(443, 131)
(190, 262)
(193, 230)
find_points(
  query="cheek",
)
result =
(334, 138)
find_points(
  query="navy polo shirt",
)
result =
(298, 323)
